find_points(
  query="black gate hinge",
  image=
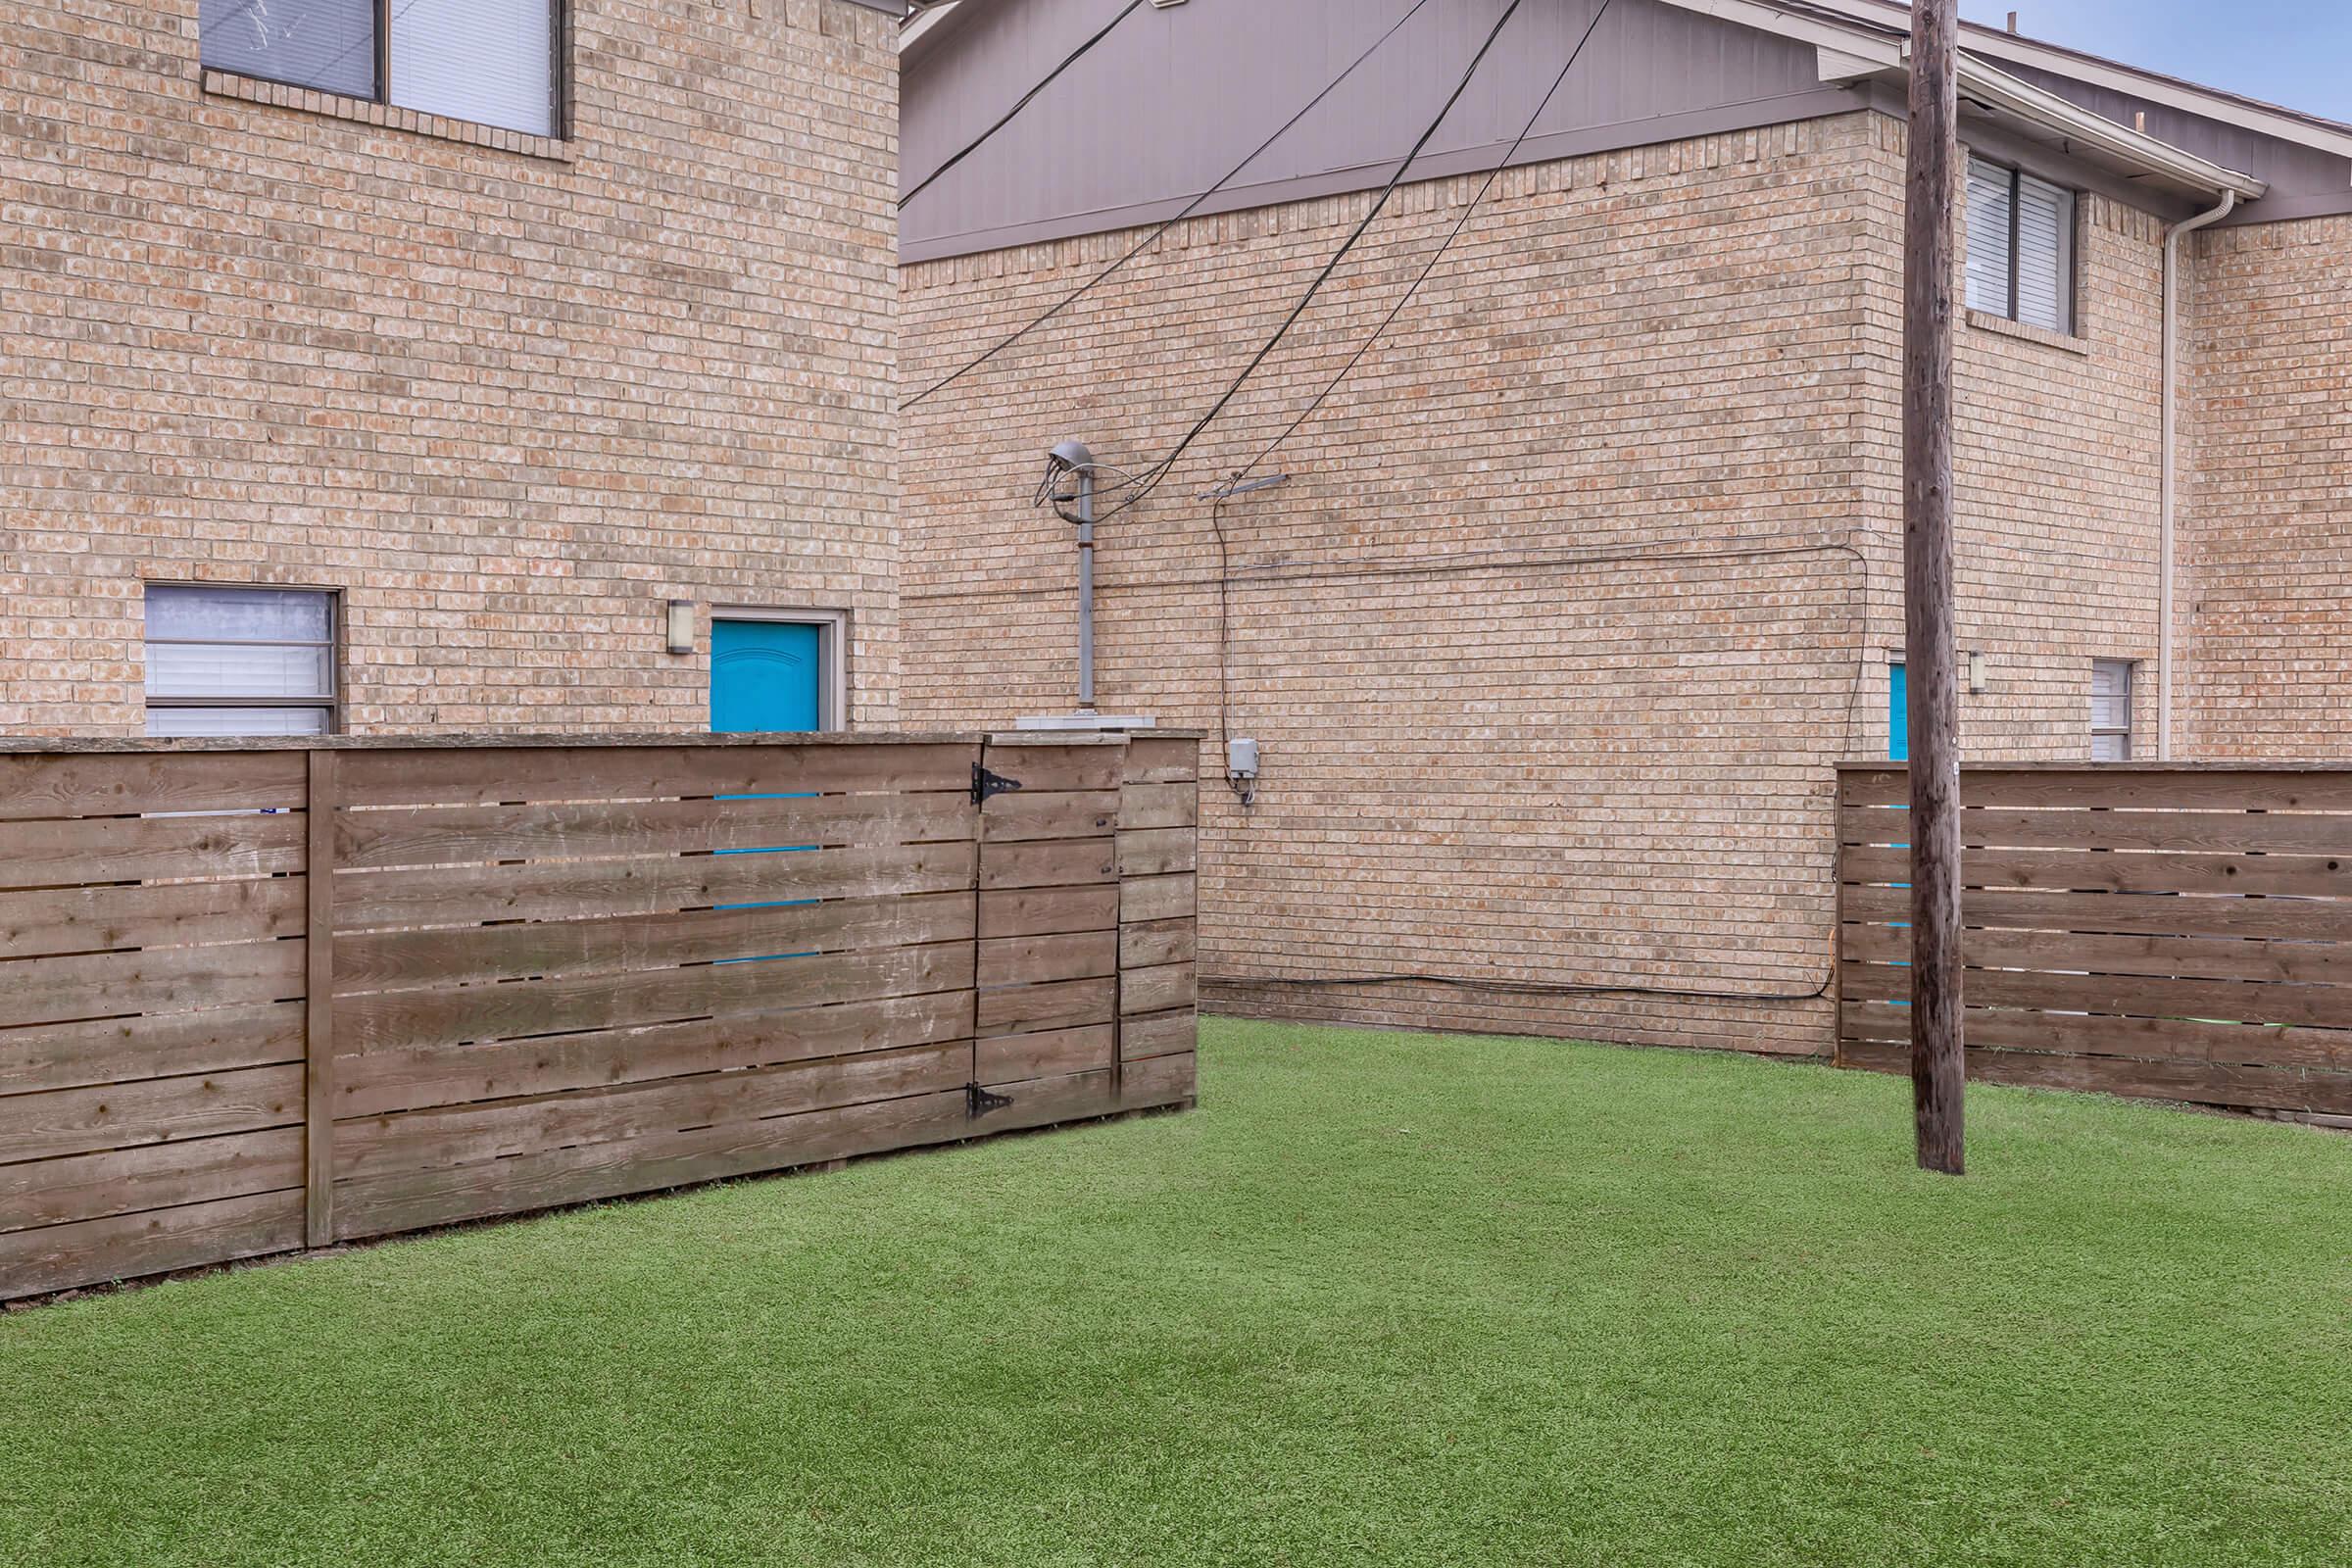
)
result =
(978, 1102)
(986, 785)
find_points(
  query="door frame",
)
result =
(832, 652)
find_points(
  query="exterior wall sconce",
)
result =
(1976, 675)
(680, 625)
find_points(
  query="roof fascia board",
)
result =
(2027, 102)
(2226, 107)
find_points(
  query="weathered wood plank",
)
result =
(72, 1056)
(2141, 913)
(389, 1081)
(1075, 1096)
(571, 890)
(151, 980)
(2207, 832)
(129, 848)
(124, 1247)
(1010, 1058)
(1057, 862)
(2138, 996)
(1156, 852)
(1033, 960)
(1155, 942)
(1157, 989)
(450, 955)
(154, 1110)
(1028, 817)
(1159, 1033)
(2179, 958)
(2198, 1083)
(1146, 807)
(609, 829)
(1048, 765)
(2186, 789)
(1156, 898)
(318, 1013)
(1162, 759)
(2107, 1035)
(1042, 911)
(2064, 871)
(403, 1201)
(97, 919)
(123, 1181)
(126, 784)
(1065, 1005)
(400, 1020)
(470, 1134)
(603, 773)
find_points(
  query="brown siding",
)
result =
(508, 400)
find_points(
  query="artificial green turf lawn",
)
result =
(1384, 1299)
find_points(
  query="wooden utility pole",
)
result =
(1938, 1067)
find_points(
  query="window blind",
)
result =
(2045, 262)
(2111, 711)
(1991, 207)
(233, 660)
(325, 44)
(491, 62)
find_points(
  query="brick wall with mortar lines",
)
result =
(509, 398)
(2266, 523)
(1506, 734)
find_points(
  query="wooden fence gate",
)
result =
(257, 997)
(2174, 933)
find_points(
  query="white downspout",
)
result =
(2172, 423)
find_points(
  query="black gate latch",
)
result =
(985, 784)
(978, 1102)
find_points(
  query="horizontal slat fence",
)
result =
(2172, 933)
(254, 996)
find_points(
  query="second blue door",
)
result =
(766, 675)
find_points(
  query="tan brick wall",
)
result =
(508, 402)
(2267, 512)
(1561, 620)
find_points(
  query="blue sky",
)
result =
(2292, 52)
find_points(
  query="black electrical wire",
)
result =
(1190, 207)
(1493, 176)
(1159, 471)
(1021, 103)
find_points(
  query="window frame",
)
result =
(332, 704)
(2069, 280)
(559, 45)
(2129, 730)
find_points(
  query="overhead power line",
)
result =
(1022, 102)
(1190, 207)
(1493, 174)
(1153, 475)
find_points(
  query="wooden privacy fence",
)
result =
(2176, 933)
(253, 998)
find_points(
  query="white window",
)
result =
(224, 661)
(2020, 247)
(492, 61)
(2110, 709)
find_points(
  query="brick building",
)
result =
(393, 366)
(1577, 585)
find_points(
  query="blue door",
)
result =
(1898, 714)
(766, 675)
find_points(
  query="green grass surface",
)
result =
(1384, 1299)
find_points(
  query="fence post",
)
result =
(319, 1046)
